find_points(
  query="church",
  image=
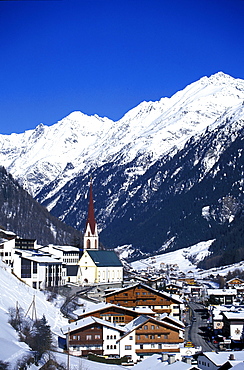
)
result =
(97, 265)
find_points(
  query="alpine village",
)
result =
(118, 316)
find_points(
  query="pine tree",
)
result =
(41, 341)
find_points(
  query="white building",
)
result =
(7, 250)
(38, 270)
(100, 266)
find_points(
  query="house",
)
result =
(7, 250)
(100, 266)
(141, 295)
(221, 296)
(38, 270)
(233, 326)
(113, 313)
(215, 360)
(93, 335)
(142, 337)
(235, 283)
(146, 336)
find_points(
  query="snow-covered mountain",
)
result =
(154, 171)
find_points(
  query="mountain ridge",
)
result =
(150, 161)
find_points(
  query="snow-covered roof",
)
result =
(234, 315)
(138, 321)
(42, 259)
(219, 358)
(65, 248)
(223, 292)
(165, 317)
(99, 306)
(89, 321)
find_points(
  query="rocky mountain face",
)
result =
(21, 214)
(167, 175)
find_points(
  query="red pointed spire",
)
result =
(91, 216)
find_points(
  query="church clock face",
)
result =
(237, 331)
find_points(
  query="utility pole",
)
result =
(68, 349)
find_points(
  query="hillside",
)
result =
(23, 215)
(169, 173)
(13, 292)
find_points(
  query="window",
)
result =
(152, 336)
(130, 337)
(152, 327)
(88, 337)
(138, 337)
(97, 336)
(127, 347)
(141, 346)
(145, 327)
(114, 336)
(152, 345)
(107, 346)
(166, 336)
(74, 336)
(115, 346)
(107, 336)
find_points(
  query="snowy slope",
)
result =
(186, 260)
(11, 292)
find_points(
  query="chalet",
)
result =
(142, 337)
(93, 335)
(235, 283)
(141, 295)
(146, 336)
(113, 313)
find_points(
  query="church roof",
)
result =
(104, 258)
(91, 215)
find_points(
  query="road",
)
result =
(197, 331)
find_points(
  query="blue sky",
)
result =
(106, 56)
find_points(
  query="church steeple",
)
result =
(91, 234)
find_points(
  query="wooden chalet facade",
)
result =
(140, 338)
(92, 335)
(140, 295)
(147, 336)
(115, 314)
